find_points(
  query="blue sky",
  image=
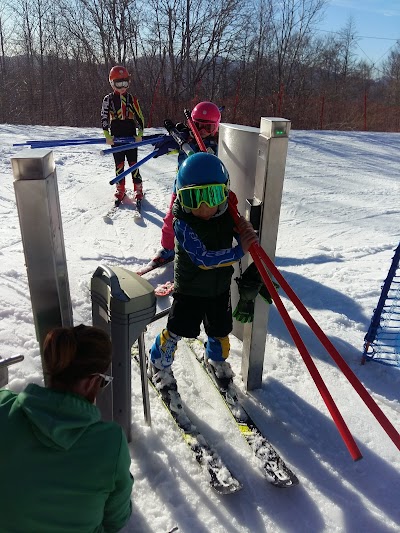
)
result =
(372, 18)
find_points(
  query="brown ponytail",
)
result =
(71, 354)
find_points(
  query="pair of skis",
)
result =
(271, 463)
(220, 478)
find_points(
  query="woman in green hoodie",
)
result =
(62, 469)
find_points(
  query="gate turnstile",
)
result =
(123, 304)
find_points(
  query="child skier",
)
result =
(120, 116)
(206, 116)
(204, 231)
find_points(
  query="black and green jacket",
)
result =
(203, 253)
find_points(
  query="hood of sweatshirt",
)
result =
(58, 419)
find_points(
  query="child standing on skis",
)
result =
(204, 231)
(121, 116)
(206, 116)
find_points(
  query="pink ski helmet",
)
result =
(207, 117)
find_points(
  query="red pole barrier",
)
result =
(330, 404)
(341, 363)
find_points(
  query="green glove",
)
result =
(244, 311)
(250, 284)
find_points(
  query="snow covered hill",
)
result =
(338, 229)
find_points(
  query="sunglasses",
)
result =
(121, 84)
(211, 195)
(105, 380)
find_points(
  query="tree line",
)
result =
(253, 57)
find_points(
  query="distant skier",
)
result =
(206, 116)
(121, 116)
(204, 232)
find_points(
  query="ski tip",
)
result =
(107, 219)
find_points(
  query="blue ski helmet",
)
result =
(201, 168)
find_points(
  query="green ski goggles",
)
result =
(211, 195)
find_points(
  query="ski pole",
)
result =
(61, 142)
(195, 131)
(133, 167)
(71, 142)
(154, 140)
(319, 382)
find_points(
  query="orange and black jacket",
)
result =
(121, 116)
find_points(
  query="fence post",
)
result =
(365, 110)
(321, 116)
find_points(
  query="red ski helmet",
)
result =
(119, 79)
(207, 117)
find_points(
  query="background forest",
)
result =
(254, 57)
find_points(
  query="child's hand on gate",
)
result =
(247, 234)
(110, 140)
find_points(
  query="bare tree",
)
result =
(194, 37)
(292, 23)
(391, 68)
(348, 42)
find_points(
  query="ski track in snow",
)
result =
(339, 226)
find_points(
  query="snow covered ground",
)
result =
(339, 227)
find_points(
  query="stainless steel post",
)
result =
(143, 377)
(270, 171)
(36, 192)
(143, 368)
